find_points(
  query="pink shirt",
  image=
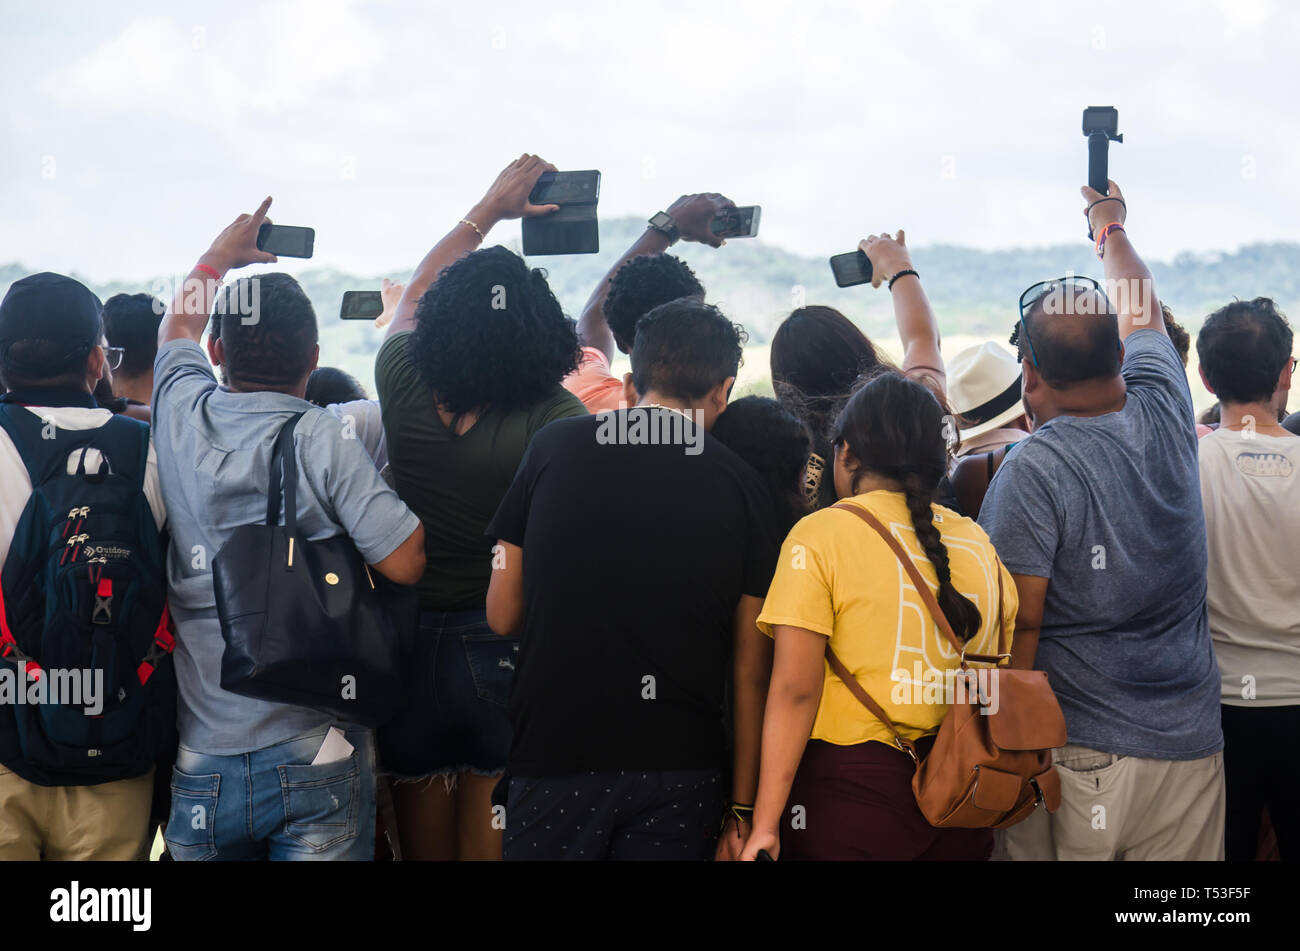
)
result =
(594, 384)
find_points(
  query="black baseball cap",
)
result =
(51, 307)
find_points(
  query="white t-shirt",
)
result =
(1250, 485)
(17, 484)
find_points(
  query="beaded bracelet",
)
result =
(902, 274)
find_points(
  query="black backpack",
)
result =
(83, 598)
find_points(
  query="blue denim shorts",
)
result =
(455, 720)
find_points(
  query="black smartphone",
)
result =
(566, 188)
(571, 230)
(850, 268)
(1101, 126)
(739, 222)
(286, 240)
(361, 305)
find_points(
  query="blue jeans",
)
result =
(273, 804)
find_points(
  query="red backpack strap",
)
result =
(9, 644)
(164, 642)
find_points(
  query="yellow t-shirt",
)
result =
(839, 578)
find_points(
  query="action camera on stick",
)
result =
(1101, 126)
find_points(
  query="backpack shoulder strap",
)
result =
(24, 429)
(855, 688)
(926, 595)
(124, 441)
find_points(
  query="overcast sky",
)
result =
(134, 131)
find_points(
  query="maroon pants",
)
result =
(857, 805)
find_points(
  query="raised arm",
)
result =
(234, 248)
(691, 215)
(1128, 280)
(506, 199)
(917, 328)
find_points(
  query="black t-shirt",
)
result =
(635, 557)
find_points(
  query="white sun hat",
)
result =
(984, 388)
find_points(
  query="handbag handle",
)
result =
(284, 479)
(927, 596)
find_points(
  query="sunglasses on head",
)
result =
(1034, 293)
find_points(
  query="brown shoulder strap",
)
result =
(926, 595)
(846, 676)
(855, 688)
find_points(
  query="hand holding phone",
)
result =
(568, 225)
(888, 255)
(694, 215)
(507, 198)
(737, 222)
(851, 268)
(237, 245)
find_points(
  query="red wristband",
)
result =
(208, 270)
(1101, 238)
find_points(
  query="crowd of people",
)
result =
(631, 590)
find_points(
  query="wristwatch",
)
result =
(662, 221)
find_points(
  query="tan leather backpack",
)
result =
(987, 769)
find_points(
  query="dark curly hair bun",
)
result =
(491, 335)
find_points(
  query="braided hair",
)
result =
(894, 427)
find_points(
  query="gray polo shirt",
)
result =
(214, 458)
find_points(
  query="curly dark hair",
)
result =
(1178, 335)
(491, 335)
(776, 444)
(641, 285)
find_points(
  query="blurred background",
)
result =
(133, 132)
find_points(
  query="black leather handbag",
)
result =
(305, 622)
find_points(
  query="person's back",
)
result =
(1111, 508)
(841, 591)
(626, 622)
(469, 372)
(650, 591)
(1250, 486)
(1098, 516)
(270, 780)
(453, 481)
(59, 450)
(503, 383)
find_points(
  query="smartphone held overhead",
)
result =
(739, 222)
(286, 241)
(574, 228)
(361, 305)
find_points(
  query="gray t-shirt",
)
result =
(214, 460)
(1109, 509)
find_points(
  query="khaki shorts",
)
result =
(72, 823)
(1125, 808)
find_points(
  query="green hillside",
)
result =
(973, 292)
